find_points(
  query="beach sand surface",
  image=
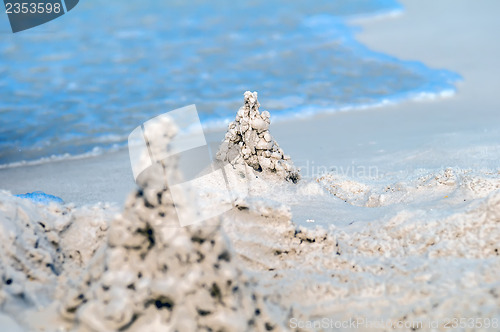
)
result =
(396, 216)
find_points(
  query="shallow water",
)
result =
(87, 79)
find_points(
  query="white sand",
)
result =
(408, 219)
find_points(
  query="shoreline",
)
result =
(219, 126)
(438, 130)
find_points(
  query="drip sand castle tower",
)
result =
(248, 135)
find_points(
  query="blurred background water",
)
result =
(86, 80)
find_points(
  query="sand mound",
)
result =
(156, 277)
(454, 184)
(248, 137)
(43, 246)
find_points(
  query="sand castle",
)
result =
(153, 275)
(249, 136)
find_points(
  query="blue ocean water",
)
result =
(41, 198)
(87, 79)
